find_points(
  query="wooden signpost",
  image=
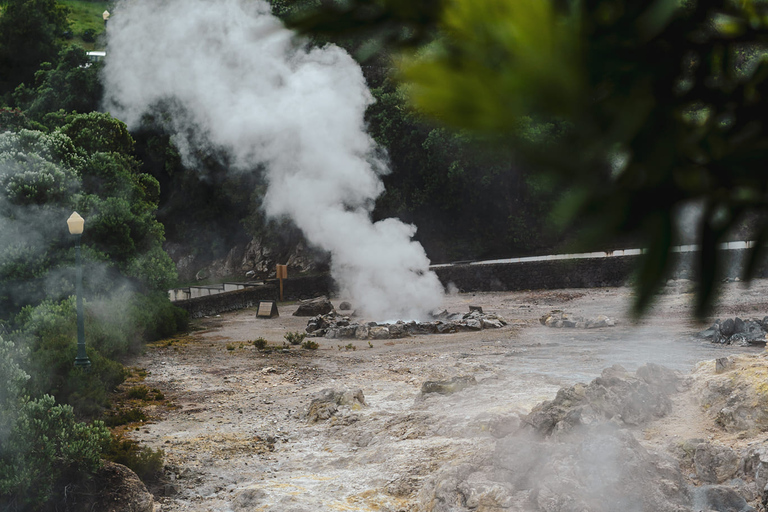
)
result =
(282, 273)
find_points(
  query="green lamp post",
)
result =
(75, 223)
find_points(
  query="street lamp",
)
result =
(75, 223)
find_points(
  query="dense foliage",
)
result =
(43, 449)
(29, 35)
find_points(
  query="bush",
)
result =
(50, 332)
(111, 332)
(310, 345)
(46, 450)
(260, 343)
(295, 338)
(138, 392)
(89, 35)
(145, 462)
(125, 416)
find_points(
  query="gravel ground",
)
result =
(238, 438)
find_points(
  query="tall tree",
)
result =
(29, 32)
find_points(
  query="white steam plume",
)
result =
(244, 83)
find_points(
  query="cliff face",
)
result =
(255, 260)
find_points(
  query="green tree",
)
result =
(29, 32)
(47, 176)
(72, 85)
(43, 449)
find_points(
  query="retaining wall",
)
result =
(293, 289)
(580, 271)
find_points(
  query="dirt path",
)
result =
(239, 438)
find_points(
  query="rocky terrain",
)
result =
(521, 417)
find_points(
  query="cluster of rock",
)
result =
(735, 331)
(334, 325)
(616, 396)
(327, 402)
(580, 452)
(558, 319)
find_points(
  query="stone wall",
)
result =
(479, 277)
(293, 289)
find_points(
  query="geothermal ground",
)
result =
(238, 438)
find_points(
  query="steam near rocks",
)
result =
(233, 78)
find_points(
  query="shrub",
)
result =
(89, 35)
(46, 450)
(310, 345)
(125, 416)
(295, 338)
(111, 332)
(145, 462)
(138, 392)
(260, 343)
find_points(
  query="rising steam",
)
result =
(238, 80)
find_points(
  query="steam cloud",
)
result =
(240, 81)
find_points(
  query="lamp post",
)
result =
(75, 223)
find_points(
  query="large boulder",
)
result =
(120, 490)
(314, 307)
(737, 397)
(616, 396)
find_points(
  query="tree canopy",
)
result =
(29, 35)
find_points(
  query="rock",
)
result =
(738, 325)
(614, 396)
(473, 324)
(333, 325)
(327, 402)
(719, 498)
(722, 364)
(345, 306)
(737, 400)
(601, 469)
(446, 387)
(379, 333)
(715, 463)
(728, 327)
(398, 330)
(121, 491)
(445, 327)
(314, 307)
(492, 323)
(558, 319)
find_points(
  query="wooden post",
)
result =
(282, 273)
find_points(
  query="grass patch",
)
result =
(86, 16)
